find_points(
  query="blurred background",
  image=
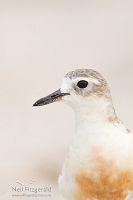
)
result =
(40, 41)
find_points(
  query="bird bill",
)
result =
(55, 96)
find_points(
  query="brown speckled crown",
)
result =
(84, 73)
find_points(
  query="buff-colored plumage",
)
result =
(99, 165)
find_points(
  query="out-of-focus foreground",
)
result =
(40, 41)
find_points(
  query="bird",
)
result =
(99, 163)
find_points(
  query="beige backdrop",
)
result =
(40, 41)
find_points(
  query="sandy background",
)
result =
(40, 41)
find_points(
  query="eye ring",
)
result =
(82, 84)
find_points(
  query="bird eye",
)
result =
(82, 84)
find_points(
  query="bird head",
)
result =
(78, 87)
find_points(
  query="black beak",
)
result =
(55, 96)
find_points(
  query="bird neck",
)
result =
(95, 110)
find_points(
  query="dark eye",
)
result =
(82, 84)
